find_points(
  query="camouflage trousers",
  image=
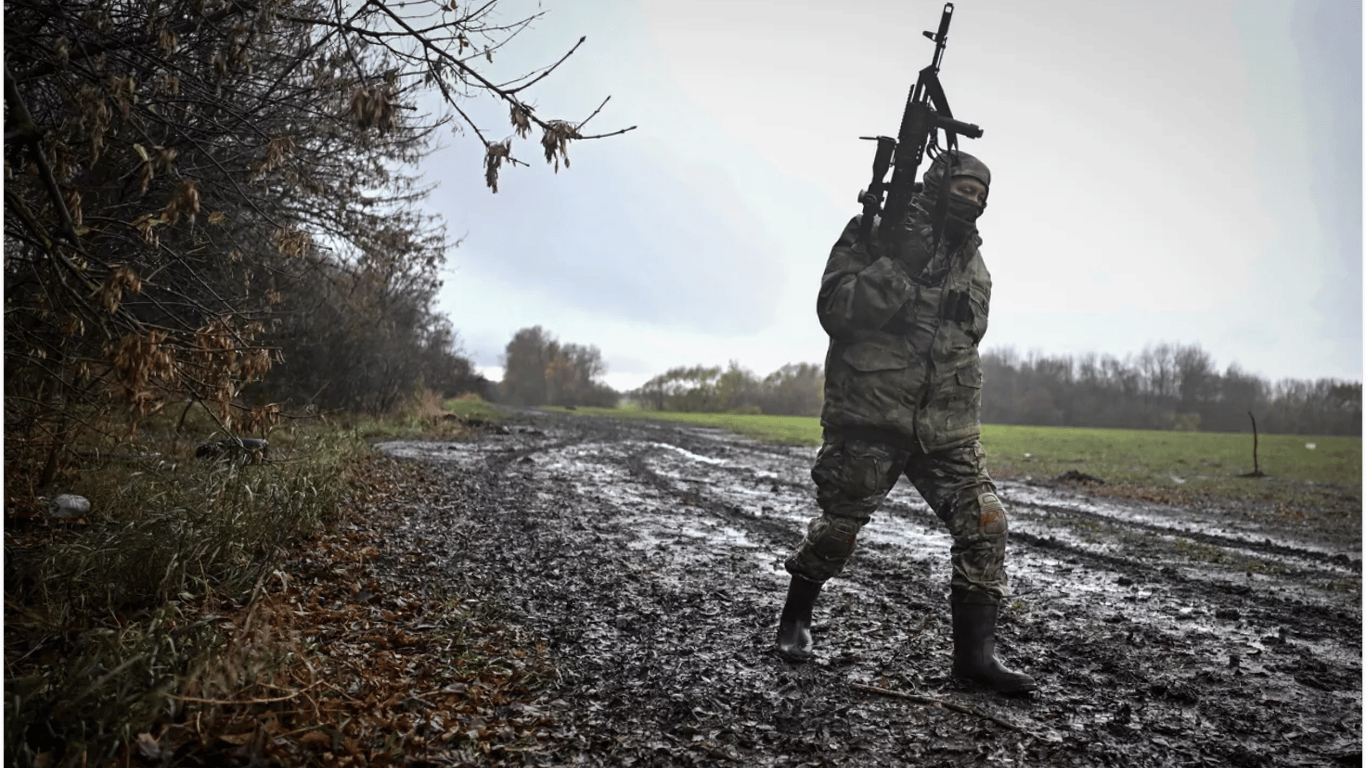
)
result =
(854, 475)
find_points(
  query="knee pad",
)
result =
(978, 515)
(833, 537)
(991, 514)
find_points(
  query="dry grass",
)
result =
(369, 663)
(428, 405)
(174, 591)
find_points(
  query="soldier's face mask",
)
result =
(968, 188)
(967, 201)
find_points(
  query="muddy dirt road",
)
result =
(648, 557)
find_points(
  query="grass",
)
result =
(1185, 461)
(106, 614)
(112, 615)
(793, 430)
(1319, 487)
(429, 415)
(474, 407)
(1150, 455)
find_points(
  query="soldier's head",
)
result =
(968, 177)
(969, 182)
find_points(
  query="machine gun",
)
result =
(927, 111)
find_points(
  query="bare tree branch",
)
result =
(549, 69)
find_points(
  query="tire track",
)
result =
(645, 557)
(1229, 542)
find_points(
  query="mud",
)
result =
(648, 557)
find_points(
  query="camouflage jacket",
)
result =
(903, 348)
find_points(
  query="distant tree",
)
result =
(1235, 393)
(1157, 364)
(1343, 404)
(684, 389)
(737, 390)
(796, 389)
(1000, 386)
(652, 394)
(586, 366)
(694, 389)
(526, 360)
(1325, 406)
(443, 367)
(1196, 380)
(539, 370)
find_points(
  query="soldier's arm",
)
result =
(859, 292)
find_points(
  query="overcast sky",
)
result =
(1163, 171)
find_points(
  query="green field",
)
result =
(1178, 461)
(796, 430)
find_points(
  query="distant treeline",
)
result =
(1166, 386)
(792, 390)
(538, 369)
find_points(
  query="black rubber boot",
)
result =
(794, 626)
(974, 651)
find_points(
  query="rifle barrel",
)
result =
(941, 39)
(957, 126)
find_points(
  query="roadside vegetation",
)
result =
(112, 616)
(215, 229)
(229, 606)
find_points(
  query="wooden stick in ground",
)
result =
(938, 703)
(1256, 466)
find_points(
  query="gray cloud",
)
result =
(621, 234)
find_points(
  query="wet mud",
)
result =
(648, 558)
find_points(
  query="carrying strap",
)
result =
(940, 216)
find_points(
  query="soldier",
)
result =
(903, 393)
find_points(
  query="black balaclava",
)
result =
(962, 213)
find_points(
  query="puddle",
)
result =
(688, 454)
